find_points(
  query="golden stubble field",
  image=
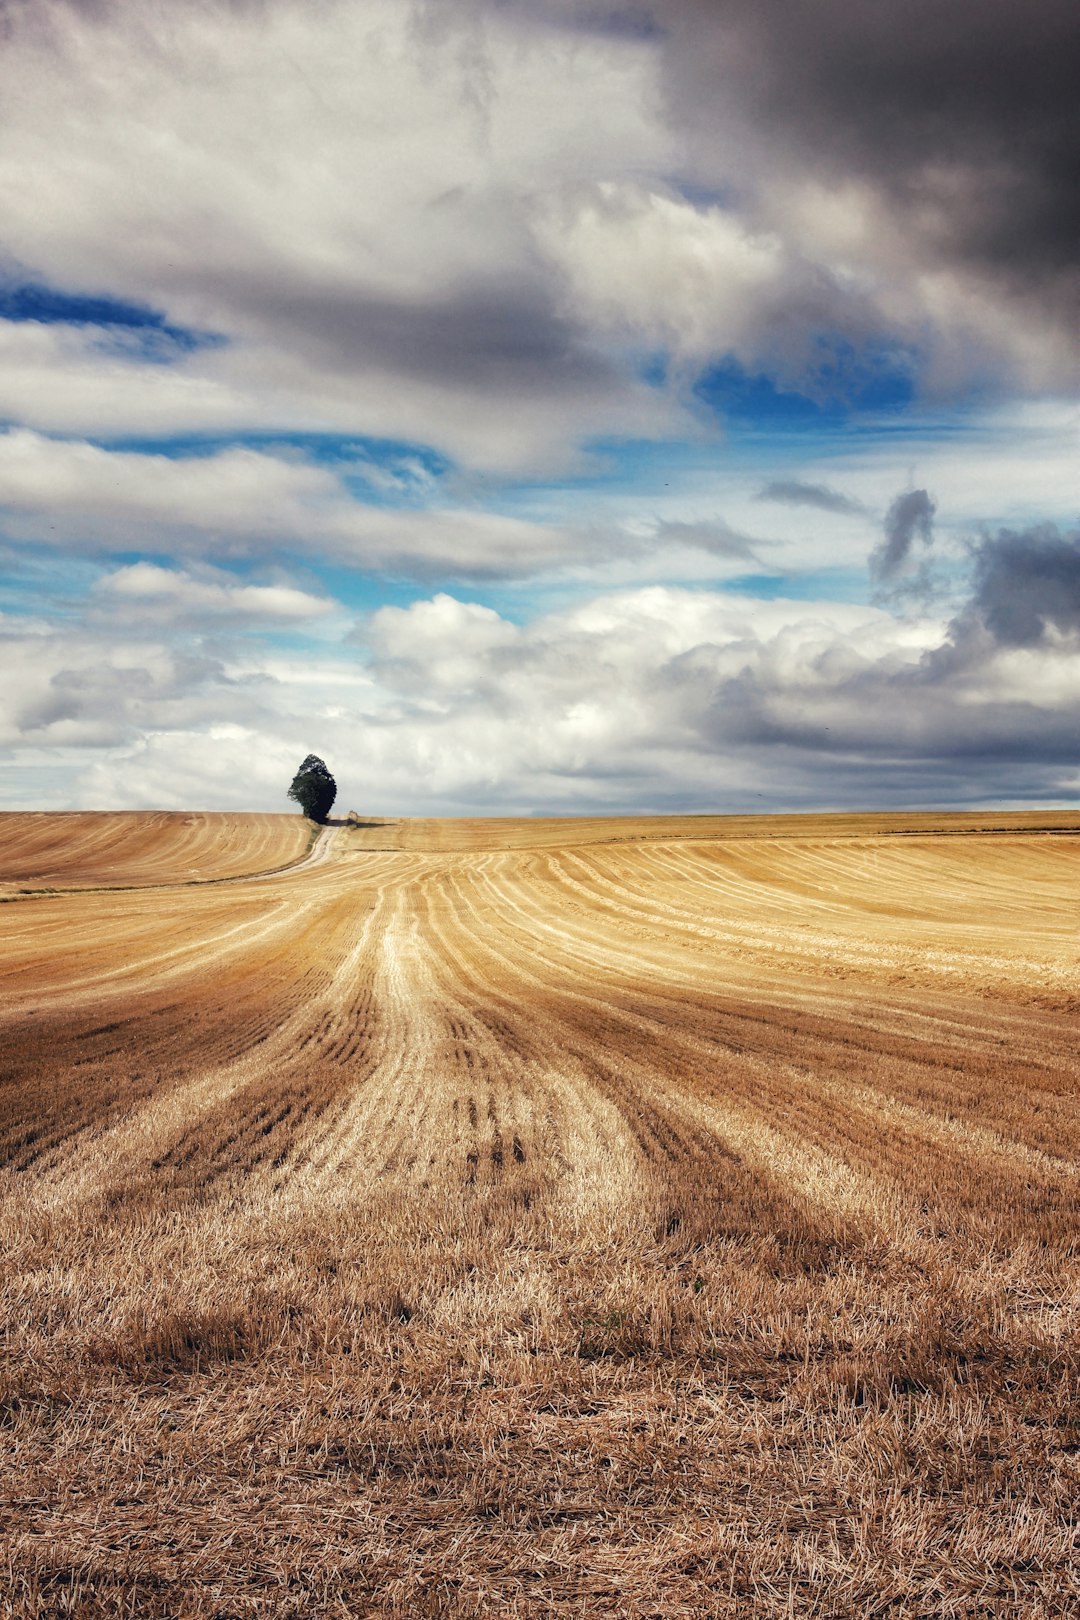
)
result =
(667, 1217)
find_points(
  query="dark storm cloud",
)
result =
(1026, 582)
(909, 518)
(965, 113)
(792, 492)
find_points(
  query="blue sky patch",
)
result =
(145, 329)
(378, 472)
(844, 384)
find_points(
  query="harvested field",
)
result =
(96, 849)
(630, 1217)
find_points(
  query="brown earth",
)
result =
(669, 1217)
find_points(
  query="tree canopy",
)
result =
(313, 788)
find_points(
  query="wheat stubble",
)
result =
(634, 1218)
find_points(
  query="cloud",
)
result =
(165, 595)
(80, 690)
(233, 491)
(793, 492)
(715, 537)
(372, 273)
(508, 242)
(529, 198)
(242, 502)
(685, 698)
(456, 642)
(909, 518)
(659, 698)
(696, 281)
(904, 147)
(1027, 584)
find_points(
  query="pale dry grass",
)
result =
(665, 1219)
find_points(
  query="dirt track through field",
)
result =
(638, 1218)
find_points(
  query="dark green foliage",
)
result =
(313, 788)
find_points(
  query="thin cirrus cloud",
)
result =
(526, 317)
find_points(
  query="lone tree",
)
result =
(314, 789)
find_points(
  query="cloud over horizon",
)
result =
(662, 697)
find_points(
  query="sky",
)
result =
(540, 408)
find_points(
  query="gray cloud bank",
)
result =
(1027, 588)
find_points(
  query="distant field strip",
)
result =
(100, 849)
(672, 1219)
